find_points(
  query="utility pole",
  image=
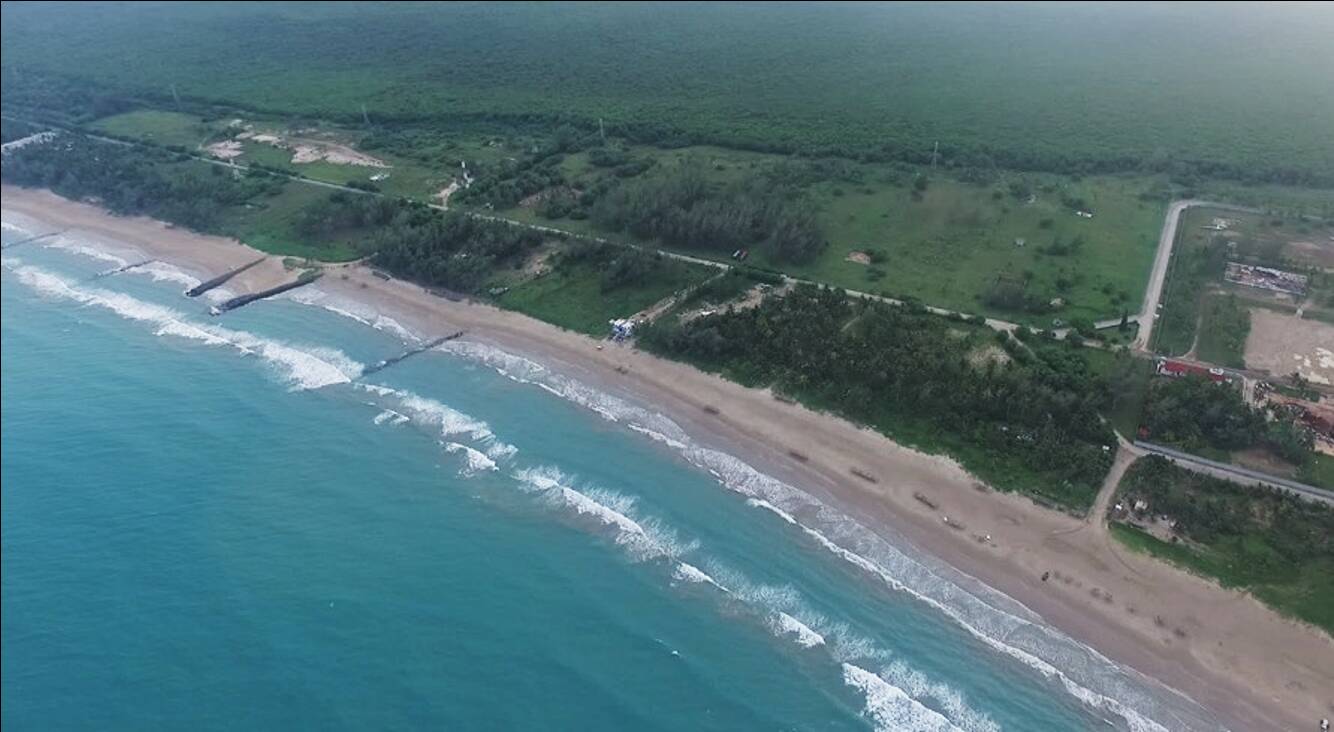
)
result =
(602, 131)
(365, 117)
(935, 152)
(176, 96)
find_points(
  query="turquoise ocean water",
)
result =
(219, 523)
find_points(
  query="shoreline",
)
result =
(1237, 658)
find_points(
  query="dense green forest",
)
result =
(1196, 414)
(683, 210)
(1231, 90)
(1271, 542)
(1021, 417)
(449, 250)
(131, 180)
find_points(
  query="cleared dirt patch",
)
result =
(313, 152)
(1316, 253)
(543, 196)
(1264, 461)
(858, 258)
(446, 192)
(225, 150)
(306, 150)
(991, 353)
(1282, 344)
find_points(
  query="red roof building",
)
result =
(1176, 369)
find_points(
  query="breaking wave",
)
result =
(890, 708)
(316, 297)
(163, 272)
(389, 416)
(304, 368)
(642, 540)
(74, 246)
(477, 461)
(445, 421)
(996, 619)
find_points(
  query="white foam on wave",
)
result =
(304, 368)
(389, 416)
(1000, 638)
(450, 421)
(356, 311)
(610, 408)
(447, 421)
(687, 572)
(890, 707)
(163, 272)
(806, 637)
(477, 462)
(948, 699)
(642, 540)
(83, 249)
(761, 503)
(994, 618)
(14, 228)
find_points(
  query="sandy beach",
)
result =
(1253, 668)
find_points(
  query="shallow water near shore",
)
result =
(217, 522)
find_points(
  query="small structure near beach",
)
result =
(622, 328)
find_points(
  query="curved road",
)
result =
(1166, 240)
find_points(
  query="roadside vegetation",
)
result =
(1197, 415)
(1198, 260)
(1270, 543)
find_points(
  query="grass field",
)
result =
(407, 177)
(1225, 322)
(1198, 259)
(269, 224)
(160, 127)
(571, 296)
(1023, 86)
(1318, 471)
(949, 244)
(1305, 592)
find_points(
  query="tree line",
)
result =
(1194, 413)
(1030, 422)
(680, 208)
(132, 180)
(449, 250)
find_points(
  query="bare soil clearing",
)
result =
(1282, 344)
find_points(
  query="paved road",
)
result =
(1234, 473)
